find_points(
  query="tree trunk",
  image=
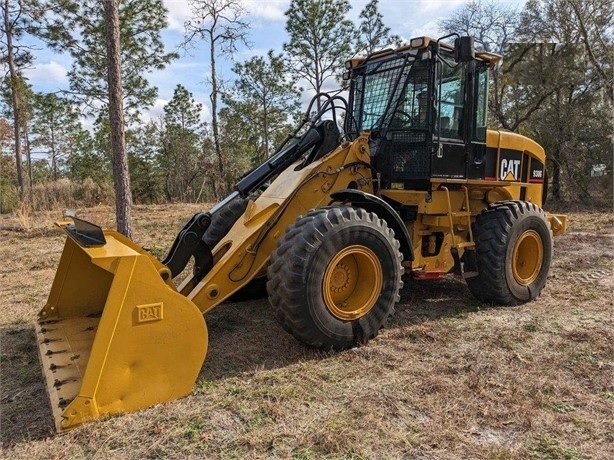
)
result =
(556, 175)
(26, 137)
(266, 134)
(121, 176)
(214, 121)
(14, 81)
(54, 159)
(318, 79)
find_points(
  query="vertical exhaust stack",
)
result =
(114, 336)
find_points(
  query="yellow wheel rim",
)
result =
(352, 282)
(527, 257)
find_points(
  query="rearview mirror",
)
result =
(464, 49)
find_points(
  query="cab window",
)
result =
(481, 103)
(452, 99)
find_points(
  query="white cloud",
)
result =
(270, 10)
(48, 75)
(178, 12)
(428, 29)
(444, 7)
(157, 111)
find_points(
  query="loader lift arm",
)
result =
(321, 137)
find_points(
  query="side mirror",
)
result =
(464, 49)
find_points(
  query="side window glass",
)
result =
(481, 105)
(451, 103)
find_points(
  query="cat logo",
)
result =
(509, 169)
(149, 312)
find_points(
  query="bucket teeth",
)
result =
(55, 352)
(47, 340)
(55, 367)
(48, 321)
(64, 351)
(58, 383)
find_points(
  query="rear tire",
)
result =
(513, 245)
(222, 221)
(254, 290)
(335, 277)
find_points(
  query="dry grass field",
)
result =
(449, 378)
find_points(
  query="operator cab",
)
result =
(425, 106)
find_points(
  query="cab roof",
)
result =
(421, 43)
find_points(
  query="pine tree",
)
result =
(321, 40)
(146, 175)
(55, 127)
(16, 55)
(117, 125)
(181, 156)
(113, 45)
(264, 101)
(89, 161)
(77, 27)
(373, 34)
(221, 24)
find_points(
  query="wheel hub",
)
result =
(527, 257)
(352, 282)
(341, 278)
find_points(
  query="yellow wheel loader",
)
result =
(413, 183)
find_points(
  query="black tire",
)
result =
(223, 220)
(335, 277)
(254, 290)
(513, 245)
(221, 223)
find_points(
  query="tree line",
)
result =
(555, 86)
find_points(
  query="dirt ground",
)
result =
(449, 378)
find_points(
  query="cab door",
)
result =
(460, 131)
(449, 158)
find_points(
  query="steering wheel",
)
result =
(402, 119)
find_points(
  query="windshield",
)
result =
(381, 90)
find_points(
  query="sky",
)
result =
(407, 18)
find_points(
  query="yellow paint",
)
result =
(293, 193)
(527, 257)
(352, 282)
(114, 337)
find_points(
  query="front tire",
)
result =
(513, 245)
(335, 277)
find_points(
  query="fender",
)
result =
(372, 203)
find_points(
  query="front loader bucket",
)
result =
(114, 336)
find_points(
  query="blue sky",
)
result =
(407, 18)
